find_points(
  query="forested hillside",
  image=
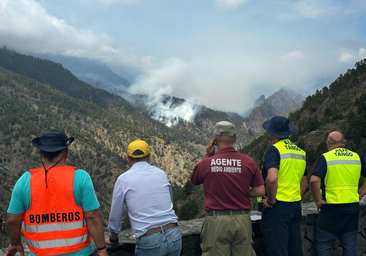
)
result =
(341, 106)
(32, 102)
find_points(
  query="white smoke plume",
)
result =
(164, 109)
(160, 103)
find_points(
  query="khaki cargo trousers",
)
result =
(228, 233)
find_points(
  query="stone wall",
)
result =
(191, 236)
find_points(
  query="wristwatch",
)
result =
(271, 204)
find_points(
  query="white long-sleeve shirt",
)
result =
(147, 193)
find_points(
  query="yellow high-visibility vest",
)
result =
(292, 169)
(343, 174)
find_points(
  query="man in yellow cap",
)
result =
(146, 191)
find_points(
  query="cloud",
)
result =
(28, 20)
(293, 55)
(351, 55)
(310, 8)
(173, 71)
(362, 53)
(25, 25)
(346, 57)
(314, 9)
(147, 61)
(230, 4)
(229, 87)
(354, 7)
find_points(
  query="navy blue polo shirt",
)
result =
(272, 159)
(320, 170)
(336, 218)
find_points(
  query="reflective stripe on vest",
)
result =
(293, 156)
(52, 234)
(340, 162)
(343, 174)
(54, 223)
(60, 250)
(58, 242)
(292, 169)
(53, 227)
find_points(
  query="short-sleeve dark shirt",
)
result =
(272, 159)
(320, 170)
(227, 177)
(336, 218)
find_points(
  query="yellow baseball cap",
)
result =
(138, 149)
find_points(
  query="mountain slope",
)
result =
(103, 125)
(341, 106)
(93, 72)
(280, 103)
(257, 103)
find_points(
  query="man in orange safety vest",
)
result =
(55, 205)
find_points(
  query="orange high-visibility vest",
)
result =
(54, 223)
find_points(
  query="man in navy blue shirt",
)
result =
(337, 174)
(284, 172)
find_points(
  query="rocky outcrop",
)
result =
(280, 103)
(256, 103)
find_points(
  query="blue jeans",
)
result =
(166, 243)
(325, 240)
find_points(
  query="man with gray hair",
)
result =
(230, 179)
(337, 174)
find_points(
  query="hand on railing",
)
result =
(13, 249)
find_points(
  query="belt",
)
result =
(227, 212)
(160, 229)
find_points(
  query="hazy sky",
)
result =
(220, 53)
